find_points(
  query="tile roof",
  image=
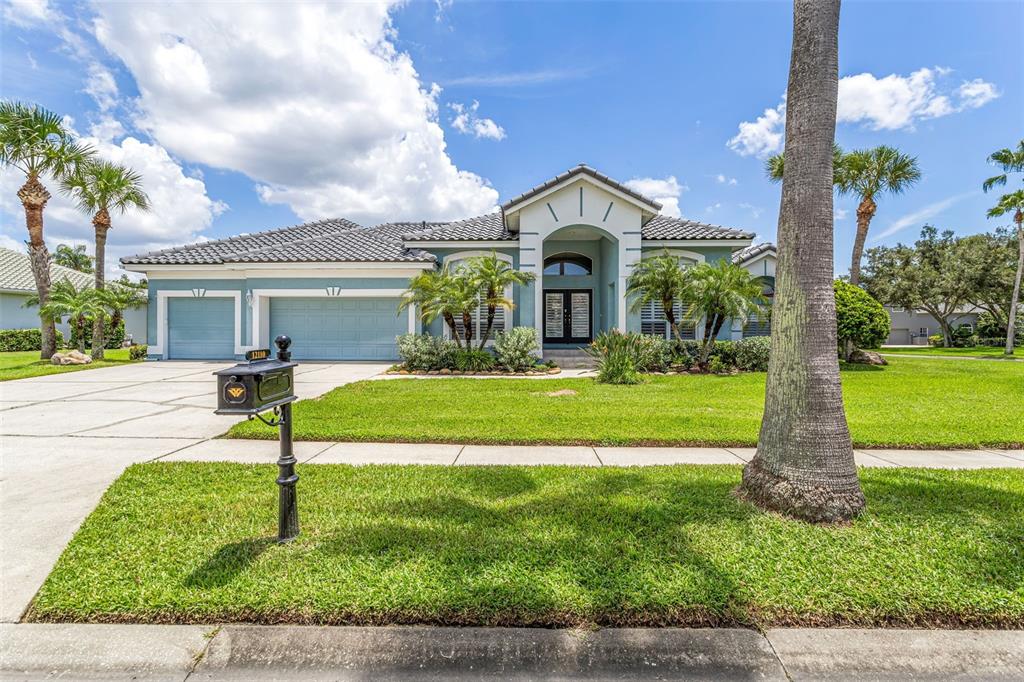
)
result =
(664, 227)
(16, 273)
(352, 246)
(752, 251)
(490, 227)
(583, 169)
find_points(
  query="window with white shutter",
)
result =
(653, 321)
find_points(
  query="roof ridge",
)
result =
(587, 170)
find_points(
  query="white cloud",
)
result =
(313, 101)
(892, 102)
(839, 214)
(519, 78)
(917, 218)
(101, 86)
(28, 12)
(713, 207)
(665, 191)
(467, 122)
(755, 211)
(723, 180)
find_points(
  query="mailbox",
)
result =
(258, 385)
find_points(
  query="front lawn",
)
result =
(975, 352)
(910, 403)
(541, 546)
(26, 364)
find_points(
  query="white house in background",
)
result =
(17, 285)
(913, 327)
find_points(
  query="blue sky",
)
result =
(242, 121)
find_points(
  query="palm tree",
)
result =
(775, 165)
(804, 463)
(73, 257)
(121, 296)
(100, 187)
(660, 279)
(721, 292)
(1011, 161)
(1013, 203)
(81, 305)
(491, 276)
(445, 294)
(868, 173)
(35, 141)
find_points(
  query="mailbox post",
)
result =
(257, 386)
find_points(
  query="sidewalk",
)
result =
(244, 652)
(307, 452)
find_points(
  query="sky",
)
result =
(244, 117)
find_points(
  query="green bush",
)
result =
(860, 318)
(751, 355)
(935, 340)
(12, 340)
(138, 352)
(516, 348)
(962, 337)
(113, 336)
(620, 357)
(474, 360)
(718, 366)
(422, 351)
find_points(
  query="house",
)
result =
(913, 327)
(334, 286)
(17, 285)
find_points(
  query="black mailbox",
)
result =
(256, 386)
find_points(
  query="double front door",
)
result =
(568, 316)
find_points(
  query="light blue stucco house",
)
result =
(334, 286)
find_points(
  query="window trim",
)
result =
(564, 257)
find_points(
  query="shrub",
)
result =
(962, 337)
(620, 356)
(685, 353)
(860, 318)
(113, 336)
(422, 351)
(12, 340)
(752, 353)
(935, 340)
(138, 352)
(474, 360)
(718, 366)
(516, 348)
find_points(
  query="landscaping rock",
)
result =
(433, 372)
(866, 357)
(403, 371)
(457, 372)
(419, 372)
(445, 371)
(554, 370)
(70, 358)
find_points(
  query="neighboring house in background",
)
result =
(17, 284)
(334, 286)
(912, 328)
(760, 260)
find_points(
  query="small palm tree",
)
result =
(35, 141)
(659, 279)
(121, 296)
(868, 173)
(491, 276)
(445, 294)
(720, 292)
(100, 187)
(81, 305)
(73, 257)
(1013, 203)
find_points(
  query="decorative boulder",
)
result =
(866, 357)
(70, 358)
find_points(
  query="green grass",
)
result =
(26, 364)
(909, 403)
(542, 546)
(975, 352)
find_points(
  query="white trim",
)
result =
(226, 272)
(737, 243)
(757, 259)
(261, 321)
(465, 244)
(161, 347)
(581, 176)
(681, 253)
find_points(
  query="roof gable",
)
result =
(587, 173)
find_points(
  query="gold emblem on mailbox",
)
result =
(236, 391)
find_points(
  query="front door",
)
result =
(568, 316)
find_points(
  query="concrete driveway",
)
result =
(65, 437)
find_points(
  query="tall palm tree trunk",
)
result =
(865, 212)
(1011, 325)
(33, 198)
(101, 221)
(804, 463)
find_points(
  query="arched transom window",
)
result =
(568, 264)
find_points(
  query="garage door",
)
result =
(899, 337)
(339, 328)
(200, 328)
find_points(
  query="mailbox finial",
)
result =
(283, 342)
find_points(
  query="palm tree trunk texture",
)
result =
(804, 464)
(865, 212)
(33, 198)
(668, 305)
(449, 319)
(101, 221)
(1011, 324)
(467, 323)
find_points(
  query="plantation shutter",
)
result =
(500, 317)
(652, 321)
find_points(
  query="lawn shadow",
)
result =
(228, 562)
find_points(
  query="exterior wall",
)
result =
(13, 315)
(906, 327)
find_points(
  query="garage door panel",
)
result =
(200, 328)
(338, 329)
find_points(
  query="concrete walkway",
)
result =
(244, 652)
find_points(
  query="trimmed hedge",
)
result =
(13, 340)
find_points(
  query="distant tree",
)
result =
(120, 296)
(931, 276)
(1010, 161)
(36, 142)
(663, 280)
(860, 319)
(491, 276)
(990, 266)
(73, 257)
(99, 188)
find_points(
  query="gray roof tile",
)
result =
(751, 252)
(16, 273)
(581, 169)
(490, 227)
(664, 227)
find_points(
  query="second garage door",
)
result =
(339, 328)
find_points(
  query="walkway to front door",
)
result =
(568, 316)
